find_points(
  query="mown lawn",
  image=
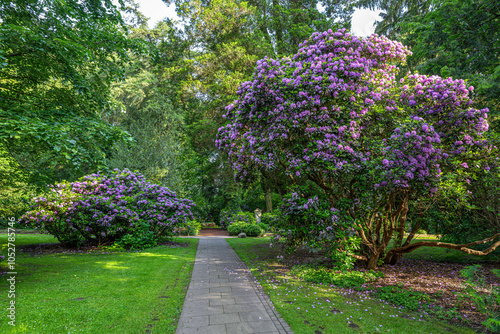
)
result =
(97, 292)
(316, 308)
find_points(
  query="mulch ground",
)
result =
(210, 232)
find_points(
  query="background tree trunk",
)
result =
(269, 203)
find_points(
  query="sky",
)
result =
(156, 10)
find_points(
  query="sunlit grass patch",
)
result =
(27, 239)
(124, 292)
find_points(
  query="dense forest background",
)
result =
(89, 86)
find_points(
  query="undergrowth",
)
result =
(341, 279)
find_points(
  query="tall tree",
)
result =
(395, 12)
(461, 39)
(146, 108)
(288, 23)
(57, 62)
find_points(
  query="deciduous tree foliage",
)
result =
(460, 39)
(147, 108)
(57, 61)
(334, 114)
(394, 12)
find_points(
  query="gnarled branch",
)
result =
(463, 248)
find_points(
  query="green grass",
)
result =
(27, 239)
(314, 308)
(124, 292)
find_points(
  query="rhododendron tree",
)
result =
(102, 209)
(334, 114)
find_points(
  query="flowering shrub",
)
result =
(227, 218)
(334, 114)
(102, 209)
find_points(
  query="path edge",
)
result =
(278, 321)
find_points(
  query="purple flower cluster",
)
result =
(104, 208)
(412, 153)
(336, 107)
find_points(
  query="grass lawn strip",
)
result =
(98, 292)
(316, 308)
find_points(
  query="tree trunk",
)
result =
(372, 261)
(269, 203)
(393, 258)
(278, 27)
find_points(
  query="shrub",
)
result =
(335, 115)
(310, 220)
(192, 227)
(102, 209)
(341, 279)
(236, 228)
(141, 238)
(246, 216)
(252, 230)
(269, 218)
(228, 218)
(263, 226)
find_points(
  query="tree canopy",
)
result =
(57, 62)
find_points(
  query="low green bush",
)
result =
(251, 230)
(263, 226)
(236, 228)
(341, 279)
(409, 299)
(141, 238)
(486, 303)
(192, 227)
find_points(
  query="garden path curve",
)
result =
(224, 296)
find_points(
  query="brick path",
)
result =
(223, 296)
